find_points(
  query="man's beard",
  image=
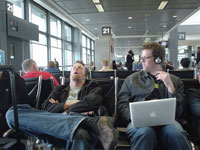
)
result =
(76, 79)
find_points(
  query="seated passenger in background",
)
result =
(137, 66)
(52, 67)
(185, 63)
(30, 68)
(169, 65)
(91, 66)
(5, 96)
(119, 66)
(105, 65)
(66, 122)
(153, 83)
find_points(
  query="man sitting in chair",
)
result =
(66, 121)
(30, 68)
(153, 83)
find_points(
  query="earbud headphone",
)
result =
(157, 60)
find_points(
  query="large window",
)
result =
(18, 8)
(56, 50)
(55, 27)
(38, 17)
(39, 50)
(87, 49)
(67, 56)
(67, 33)
(92, 51)
(54, 42)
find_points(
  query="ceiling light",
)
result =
(164, 26)
(162, 5)
(147, 40)
(129, 27)
(130, 18)
(96, 1)
(99, 7)
(95, 28)
(174, 16)
(87, 19)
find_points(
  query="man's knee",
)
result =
(142, 132)
(10, 117)
(171, 131)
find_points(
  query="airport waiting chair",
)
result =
(187, 74)
(67, 74)
(38, 90)
(122, 74)
(57, 75)
(102, 74)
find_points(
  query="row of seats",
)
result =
(121, 74)
(41, 89)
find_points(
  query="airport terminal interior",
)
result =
(89, 31)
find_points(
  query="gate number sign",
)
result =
(106, 30)
(181, 35)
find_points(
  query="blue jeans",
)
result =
(195, 107)
(46, 126)
(169, 137)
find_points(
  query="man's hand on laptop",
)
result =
(165, 77)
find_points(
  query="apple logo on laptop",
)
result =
(153, 114)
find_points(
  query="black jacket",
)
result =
(90, 97)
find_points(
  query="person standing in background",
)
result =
(130, 60)
(56, 63)
(198, 56)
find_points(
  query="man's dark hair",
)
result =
(157, 50)
(185, 62)
(131, 52)
(80, 62)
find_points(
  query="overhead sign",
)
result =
(106, 30)
(181, 35)
(9, 7)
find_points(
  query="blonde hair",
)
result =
(105, 62)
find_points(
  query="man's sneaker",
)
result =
(108, 135)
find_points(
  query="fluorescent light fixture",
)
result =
(174, 16)
(95, 28)
(162, 5)
(164, 26)
(129, 27)
(147, 40)
(130, 18)
(87, 19)
(96, 1)
(99, 7)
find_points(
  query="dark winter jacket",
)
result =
(90, 97)
(139, 85)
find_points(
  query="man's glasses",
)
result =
(144, 58)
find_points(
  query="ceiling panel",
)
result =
(146, 18)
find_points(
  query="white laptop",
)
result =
(153, 112)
